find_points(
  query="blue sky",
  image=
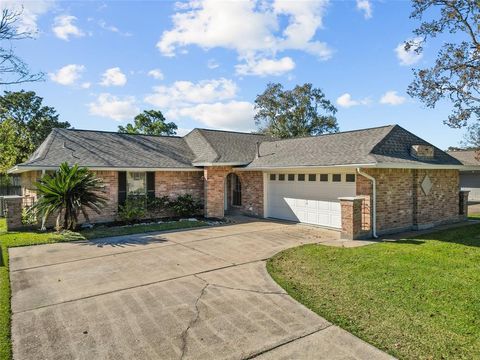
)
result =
(203, 62)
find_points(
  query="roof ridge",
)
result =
(117, 133)
(230, 131)
(336, 133)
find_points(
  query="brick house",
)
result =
(470, 174)
(364, 182)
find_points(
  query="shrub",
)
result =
(158, 204)
(28, 216)
(185, 205)
(133, 210)
(67, 192)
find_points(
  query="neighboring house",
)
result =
(300, 179)
(470, 176)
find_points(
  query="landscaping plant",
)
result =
(185, 205)
(65, 193)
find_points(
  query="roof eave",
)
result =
(17, 169)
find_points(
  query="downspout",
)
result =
(374, 201)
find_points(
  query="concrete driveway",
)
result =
(196, 294)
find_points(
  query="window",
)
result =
(291, 177)
(337, 177)
(281, 177)
(301, 177)
(324, 177)
(312, 177)
(273, 177)
(350, 178)
(136, 183)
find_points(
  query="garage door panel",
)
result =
(310, 202)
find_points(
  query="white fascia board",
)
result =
(305, 167)
(219, 164)
(19, 169)
(418, 166)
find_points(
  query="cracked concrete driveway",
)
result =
(196, 294)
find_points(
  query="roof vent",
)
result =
(423, 152)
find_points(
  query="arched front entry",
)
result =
(233, 192)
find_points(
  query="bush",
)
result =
(185, 205)
(158, 204)
(28, 216)
(133, 210)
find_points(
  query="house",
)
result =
(470, 175)
(363, 182)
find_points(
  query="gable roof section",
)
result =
(382, 145)
(99, 149)
(466, 157)
(223, 147)
(396, 147)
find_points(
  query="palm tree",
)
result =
(66, 192)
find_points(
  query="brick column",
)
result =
(463, 210)
(215, 190)
(14, 212)
(352, 217)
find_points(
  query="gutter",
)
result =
(374, 201)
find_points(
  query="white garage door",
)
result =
(308, 198)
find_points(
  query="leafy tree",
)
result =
(67, 192)
(455, 76)
(150, 122)
(13, 70)
(302, 111)
(24, 124)
(471, 139)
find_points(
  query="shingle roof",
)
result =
(106, 149)
(99, 149)
(217, 146)
(386, 144)
(466, 157)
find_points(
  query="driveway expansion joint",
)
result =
(287, 342)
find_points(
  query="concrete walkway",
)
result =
(196, 294)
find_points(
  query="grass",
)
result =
(415, 299)
(12, 239)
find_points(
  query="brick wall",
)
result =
(401, 202)
(252, 192)
(174, 183)
(215, 190)
(167, 183)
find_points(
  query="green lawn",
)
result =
(415, 299)
(11, 239)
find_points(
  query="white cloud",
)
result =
(112, 28)
(68, 74)
(113, 107)
(209, 24)
(63, 27)
(30, 12)
(232, 115)
(156, 74)
(181, 93)
(346, 101)
(86, 85)
(409, 57)
(113, 77)
(266, 67)
(212, 64)
(392, 98)
(366, 7)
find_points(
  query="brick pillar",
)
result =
(14, 212)
(463, 211)
(352, 217)
(215, 190)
